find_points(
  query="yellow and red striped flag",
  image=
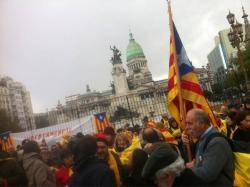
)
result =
(6, 142)
(101, 121)
(186, 85)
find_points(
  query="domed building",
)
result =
(139, 73)
(132, 96)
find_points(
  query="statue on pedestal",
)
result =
(116, 59)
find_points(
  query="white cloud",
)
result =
(56, 47)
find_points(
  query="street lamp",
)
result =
(235, 36)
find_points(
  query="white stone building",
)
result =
(16, 101)
(134, 94)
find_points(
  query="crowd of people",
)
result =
(150, 154)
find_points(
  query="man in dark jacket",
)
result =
(88, 169)
(213, 164)
(110, 157)
(160, 153)
(11, 173)
(243, 131)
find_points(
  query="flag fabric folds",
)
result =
(101, 121)
(6, 142)
(191, 92)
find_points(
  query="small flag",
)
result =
(101, 121)
(6, 142)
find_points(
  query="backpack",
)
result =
(241, 152)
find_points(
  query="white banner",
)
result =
(53, 133)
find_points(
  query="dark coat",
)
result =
(215, 164)
(92, 172)
(11, 171)
(162, 155)
(37, 171)
(241, 135)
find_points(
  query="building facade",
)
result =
(204, 78)
(227, 50)
(133, 94)
(221, 57)
(5, 103)
(215, 59)
(16, 101)
(137, 64)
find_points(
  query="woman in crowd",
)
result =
(122, 141)
(64, 172)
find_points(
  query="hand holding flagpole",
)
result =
(182, 109)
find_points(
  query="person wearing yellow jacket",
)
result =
(174, 129)
(165, 120)
(166, 133)
(125, 144)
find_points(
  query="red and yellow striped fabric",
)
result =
(6, 142)
(101, 121)
(191, 92)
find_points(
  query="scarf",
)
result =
(113, 166)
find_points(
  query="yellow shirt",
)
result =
(125, 155)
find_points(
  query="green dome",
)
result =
(134, 50)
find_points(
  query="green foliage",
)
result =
(6, 124)
(246, 58)
(238, 74)
(123, 113)
(217, 89)
(208, 94)
(233, 83)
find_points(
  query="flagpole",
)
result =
(182, 112)
(176, 66)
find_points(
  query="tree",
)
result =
(239, 72)
(7, 124)
(123, 113)
(208, 94)
(246, 58)
(231, 82)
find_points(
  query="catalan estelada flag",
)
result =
(187, 84)
(101, 121)
(5, 141)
